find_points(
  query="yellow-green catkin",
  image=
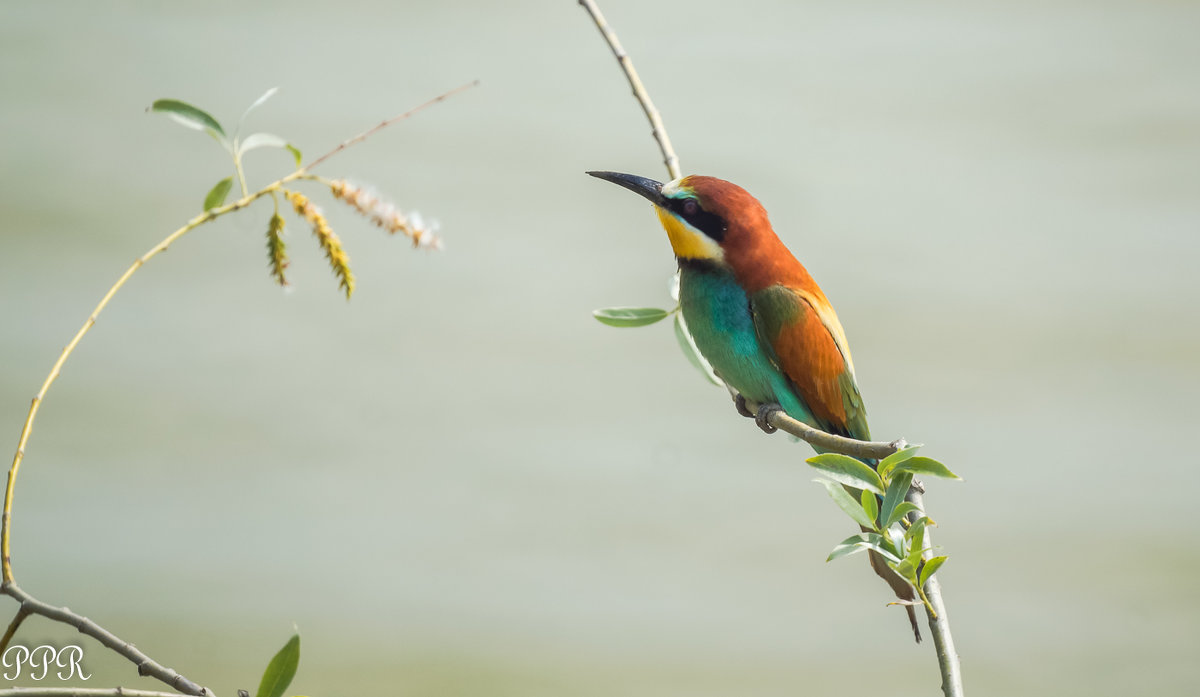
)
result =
(330, 243)
(276, 249)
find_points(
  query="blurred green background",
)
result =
(459, 483)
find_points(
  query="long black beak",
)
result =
(648, 188)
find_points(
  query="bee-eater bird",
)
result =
(757, 315)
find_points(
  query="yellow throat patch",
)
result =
(687, 241)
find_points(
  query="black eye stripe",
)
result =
(690, 210)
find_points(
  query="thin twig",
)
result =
(13, 626)
(388, 122)
(939, 623)
(82, 692)
(145, 665)
(827, 441)
(639, 90)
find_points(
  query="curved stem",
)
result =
(241, 174)
(27, 429)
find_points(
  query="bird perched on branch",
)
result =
(757, 315)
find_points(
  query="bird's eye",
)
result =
(690, 207)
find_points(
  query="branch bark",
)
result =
(146, 666)
(939, 623)
(81, 692)
(876, 450)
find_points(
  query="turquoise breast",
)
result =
(717, 312)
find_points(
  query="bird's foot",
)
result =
(739, 402)
(762, 418)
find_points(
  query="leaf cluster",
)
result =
(198, 119)
(875, 499)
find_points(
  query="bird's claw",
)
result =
(739, 402)
(762, 418)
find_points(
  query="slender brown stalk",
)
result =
(827, 441)
(639, 90)
(388, 122)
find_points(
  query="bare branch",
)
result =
(876, 450)
(82, 692)
(939, 624)
(388, 122)
(639, 90)
(145, 665)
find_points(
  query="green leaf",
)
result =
(928, 466)
(897, 490)
(870, 504)
(295, 153)
(189, 116)
(693, 354)
(916, 539)
(847, 470)
(902, 509)
(887, 463)
(216, 196)
(261, 140)
(846, 502)
(281, 670)
(894, 541)
(630, 316)
(860, 542)
(930, 568)
(906, 569)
